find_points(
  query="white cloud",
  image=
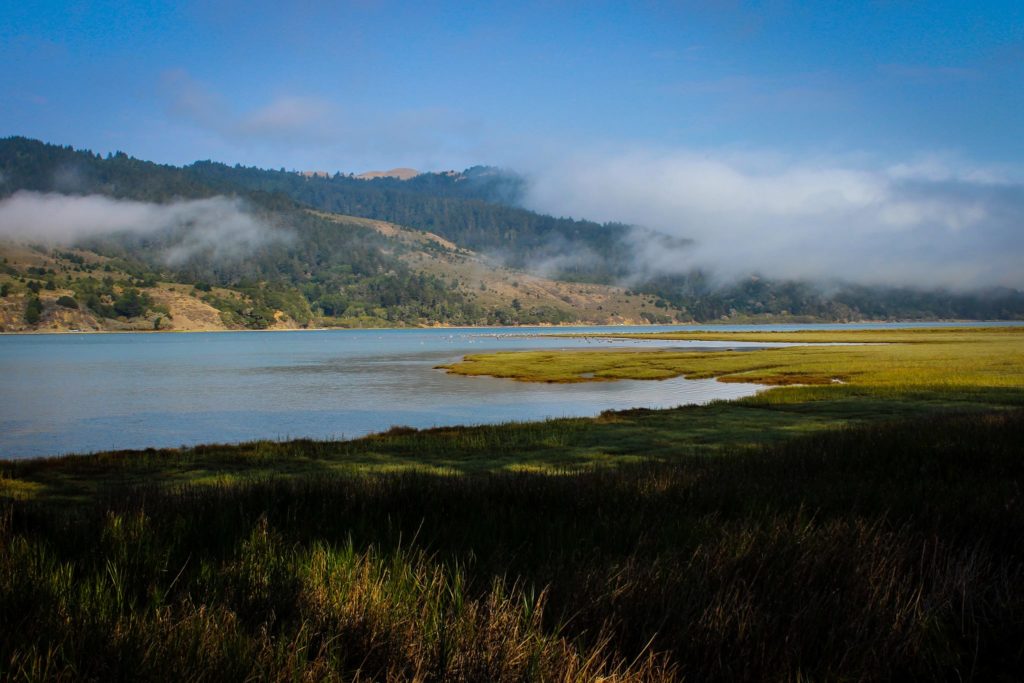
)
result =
(217, 227)
(929, 222)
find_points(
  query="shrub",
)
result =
(67, 302)
(33, 310)
(131, 303)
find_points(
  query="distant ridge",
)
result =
(400, 173)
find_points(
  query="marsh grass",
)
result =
(943, 371)
(887, 551)
(884, 361)
(868, 530)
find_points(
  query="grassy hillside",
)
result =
(523, 298)
(432, 282)
(81, 290)
(459, 207)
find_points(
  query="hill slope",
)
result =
(305, 250)
(79, 289)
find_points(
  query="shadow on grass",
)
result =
(871, 552)
(554, 446)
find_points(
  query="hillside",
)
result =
(81, 290)
(312, 249)
(475, 209)
(493, 286)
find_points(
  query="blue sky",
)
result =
(872, 141)
(444, 85)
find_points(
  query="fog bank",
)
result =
(927, 224)
(217, 227)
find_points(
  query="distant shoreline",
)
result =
(938, 321)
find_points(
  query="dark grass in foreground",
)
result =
(879, 552)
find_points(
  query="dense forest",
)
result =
(353, 272)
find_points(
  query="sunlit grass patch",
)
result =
(18, 489)
(905, 360)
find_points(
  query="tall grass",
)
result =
(870, 553)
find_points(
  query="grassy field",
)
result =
(867, 529)
(884, 361)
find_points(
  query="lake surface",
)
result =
(76, 393)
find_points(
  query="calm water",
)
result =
(87, 392)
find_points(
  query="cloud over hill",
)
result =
(929, 223)
(218, 227)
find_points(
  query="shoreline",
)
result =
(807, 372)
(567, 326)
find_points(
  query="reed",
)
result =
(871, 552)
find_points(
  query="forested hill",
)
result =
(310, 270)
(473, 209)
(307, 269)
(358, 275)
(477, 209)
(27, 164)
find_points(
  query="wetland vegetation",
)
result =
(863, 530)
(878, 361)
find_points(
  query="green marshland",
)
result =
(861, 520)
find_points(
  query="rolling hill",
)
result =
(211, 246)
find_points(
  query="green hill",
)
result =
(324, 265)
